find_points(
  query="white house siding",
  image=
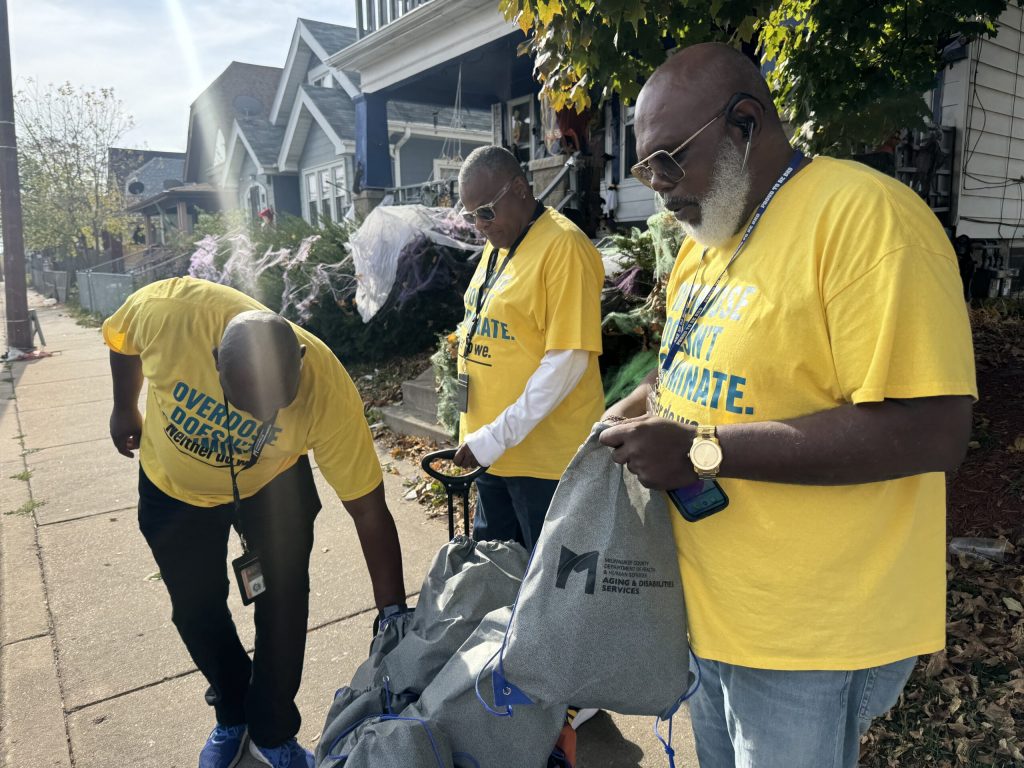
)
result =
(636, 202)
(983, 97)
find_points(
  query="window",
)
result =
(324, 81)
(629, 158)
(311, 198)
(219, 148)
(340, 191)
(520, 128)
(327, 196)
(257, 201)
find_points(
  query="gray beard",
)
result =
(722, 209)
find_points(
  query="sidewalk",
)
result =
(92, 671)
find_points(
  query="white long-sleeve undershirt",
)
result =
(559, 372)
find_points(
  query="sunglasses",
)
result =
(483, 212)
(664, 164)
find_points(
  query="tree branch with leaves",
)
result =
(64, 137)
(845, 73)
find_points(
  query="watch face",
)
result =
(705, 454)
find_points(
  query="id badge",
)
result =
(462, 393)
(249, 575)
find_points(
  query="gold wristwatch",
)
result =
(706, 453)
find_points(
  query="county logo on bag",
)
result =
(600, 619)
(569, 562)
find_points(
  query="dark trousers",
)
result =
(190, 545)
(511, 508)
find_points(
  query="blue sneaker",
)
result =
(288, 755)
(224, 747)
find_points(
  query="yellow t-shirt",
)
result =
(548, 297)
(173, 325)
(847, 292)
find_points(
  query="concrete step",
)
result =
(405, 421)
(420, 395)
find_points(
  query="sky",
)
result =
(157, 55)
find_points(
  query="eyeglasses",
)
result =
(483, 212)
(664, 164)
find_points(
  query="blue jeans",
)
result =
(511, 508)
(762, 718)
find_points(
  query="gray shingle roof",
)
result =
(337, 109)
(333, 37)
(264, 138)
(155, 176)
(408, 112)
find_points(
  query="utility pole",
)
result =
(19, 331)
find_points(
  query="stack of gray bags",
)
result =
(413, 702)
(483, 670)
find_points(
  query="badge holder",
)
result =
(462, 393)
(249, 576)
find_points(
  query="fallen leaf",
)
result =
(1013, 605)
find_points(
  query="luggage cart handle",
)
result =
(451, 482)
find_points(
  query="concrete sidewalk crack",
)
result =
(26, 639)
(46, 593)
(120, 694)
(52, 523)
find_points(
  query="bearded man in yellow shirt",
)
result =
(528, 347)
(817, 363)
(237, 397)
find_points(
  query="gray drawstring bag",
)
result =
(600, 619)
(490, 739)
(391, 740)
(466, 581)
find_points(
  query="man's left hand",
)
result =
(654, 449)
(464, 458)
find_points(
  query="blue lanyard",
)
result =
(685, 328)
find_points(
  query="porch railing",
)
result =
(372, 15)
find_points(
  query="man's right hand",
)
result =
(126, 430)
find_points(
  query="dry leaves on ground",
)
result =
(964, 706)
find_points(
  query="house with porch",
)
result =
(300, 158)
(423, 51)
(241, 92)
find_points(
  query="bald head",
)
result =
(713, 71)
(259, 360)
(490, 161)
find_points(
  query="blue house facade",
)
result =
(428, 51)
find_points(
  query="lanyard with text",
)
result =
(259, 442)
(685, 328)
(491, 277)
(248, 570)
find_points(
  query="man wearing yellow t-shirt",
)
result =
(237, 397)
(817, 361)
(528, 347)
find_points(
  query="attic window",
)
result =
(220, 148)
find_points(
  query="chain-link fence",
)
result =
(100, 289)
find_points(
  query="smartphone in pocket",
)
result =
(700, 500)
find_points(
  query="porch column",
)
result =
(184, 220)
(372, 154)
